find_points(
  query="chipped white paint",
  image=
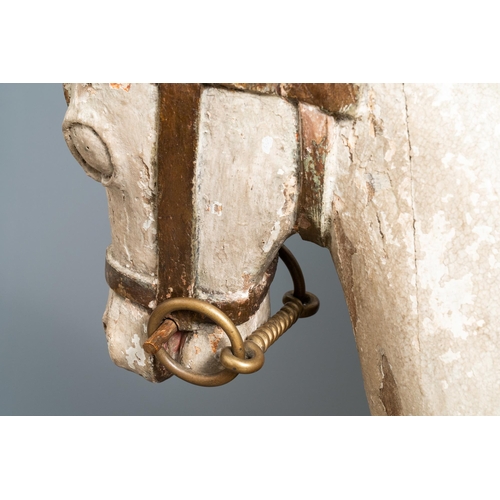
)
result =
(410, 206)
(449, 356)
(111, 130)
(273, 236)
(125, 324)
(267, 144)
(244, 140)
(217, 208)
(135, 353)
(464, 124)
(435, 226)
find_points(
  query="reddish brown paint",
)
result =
(332, 98)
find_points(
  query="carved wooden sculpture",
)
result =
(400, 182)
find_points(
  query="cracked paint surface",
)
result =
(415, 198)
(369, 222)
(454, 129)
(246, 176)
(125, 326)
(135, 353)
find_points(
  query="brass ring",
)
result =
(252, 363)
(310, 303)
(218, 317)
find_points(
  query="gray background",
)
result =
(54, 360)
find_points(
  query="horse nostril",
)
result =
(93, 152)
(175, 344)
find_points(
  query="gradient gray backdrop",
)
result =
(54, 360)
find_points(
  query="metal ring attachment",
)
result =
(310, 305)
(219, 318)
(254, 358)
(297, 303)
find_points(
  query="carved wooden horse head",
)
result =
(205, 183)
(203, 186)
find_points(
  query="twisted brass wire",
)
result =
(242, 357)
(267, 334)
(259, 341)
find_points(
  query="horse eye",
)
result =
(92, 150)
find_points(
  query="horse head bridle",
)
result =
(177, 143)
(243, 356)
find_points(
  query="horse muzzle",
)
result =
(243, 356)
